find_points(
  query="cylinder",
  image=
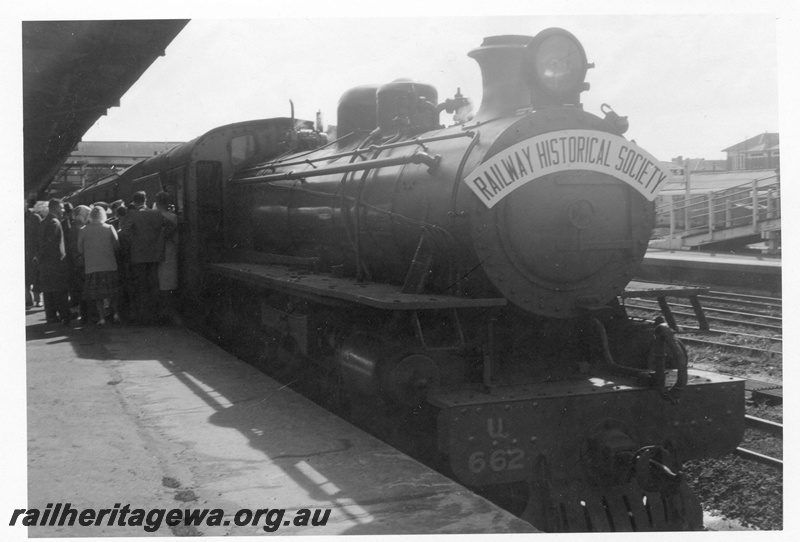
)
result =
(373, 367)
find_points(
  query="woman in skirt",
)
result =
(98, 242)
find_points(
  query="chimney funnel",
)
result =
(501, 60)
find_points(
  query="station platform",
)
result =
(716, 269)
(159, 418)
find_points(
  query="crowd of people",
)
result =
(109, 263)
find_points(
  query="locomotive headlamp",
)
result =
(557, 68)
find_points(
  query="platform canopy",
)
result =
(73, 72)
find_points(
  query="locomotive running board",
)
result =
(328, 289)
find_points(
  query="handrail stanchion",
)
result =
(710, 212)
(727, 210)
(671, 220)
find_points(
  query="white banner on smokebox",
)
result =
(566, 150)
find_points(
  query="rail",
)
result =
(771, 428)
(759, 458)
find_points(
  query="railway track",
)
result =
(746, 324)
(768, 427)
(749, 350)
(740, 318)
(764, 302)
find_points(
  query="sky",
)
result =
(690, 84)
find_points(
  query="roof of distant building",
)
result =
(132, 149)
(704, 182)
(696, 164)
(761, 142)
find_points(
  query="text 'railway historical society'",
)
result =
(566, 150)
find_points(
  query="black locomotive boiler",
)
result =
(470, 275)
(457, 289)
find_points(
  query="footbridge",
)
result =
(733, 215)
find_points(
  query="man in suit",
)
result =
(32, 223)
(53, 265)
(144, 230)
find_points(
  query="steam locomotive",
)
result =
(459, 285)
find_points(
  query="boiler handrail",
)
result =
(417, 158)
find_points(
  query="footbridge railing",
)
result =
(739, 211)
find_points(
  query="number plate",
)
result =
(489, 444)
